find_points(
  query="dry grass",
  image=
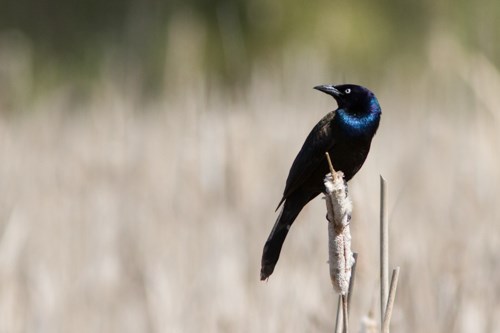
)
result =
(118, 219)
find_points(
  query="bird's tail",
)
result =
(276, 238)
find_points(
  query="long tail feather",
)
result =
(291, 209)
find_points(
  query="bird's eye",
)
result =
(348, 91)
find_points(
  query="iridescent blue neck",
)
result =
(374, 106)
(359, 124)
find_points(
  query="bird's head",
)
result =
(352, 98)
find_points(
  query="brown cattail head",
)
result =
(339, 208)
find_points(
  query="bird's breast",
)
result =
(355, 126)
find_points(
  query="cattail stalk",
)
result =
(390, 301)
(384, 249)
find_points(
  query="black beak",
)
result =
(329, 89)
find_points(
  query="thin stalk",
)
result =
(345, 314)
(384, 248)
(338, 320)
(390, 302)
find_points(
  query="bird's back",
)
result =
(348, 154)
(311, 155)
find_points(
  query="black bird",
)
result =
(346, 134)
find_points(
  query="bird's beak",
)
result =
(329, 89)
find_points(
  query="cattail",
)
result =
(339, 208)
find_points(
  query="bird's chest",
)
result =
(349, 155)
(351, 127)
(354, 129)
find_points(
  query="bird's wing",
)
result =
(312, 153)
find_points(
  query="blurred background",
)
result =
(145, 146)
